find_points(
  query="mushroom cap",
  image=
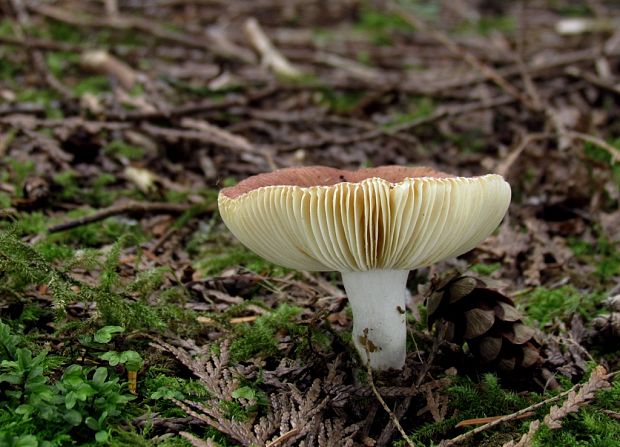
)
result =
(391, 217)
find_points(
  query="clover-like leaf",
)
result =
(105, 334)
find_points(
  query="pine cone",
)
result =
(484, 318)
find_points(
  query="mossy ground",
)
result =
(81, 310)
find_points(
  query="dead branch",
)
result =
(101, 61)
(130, 207)
(205, 41)
(486, 70)
(270, 56)
(40, 44)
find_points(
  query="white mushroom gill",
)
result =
(374, 232)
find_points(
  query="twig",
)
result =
(123, 208)
(289, 434)
(527, 438)
(40, 44)
(503, 167)
(101, 61)
(386, 434)
(195, 441)
(387, 409)
(478, 421)
(205, 41)
(270, 56)
(614, 152)
(206, 135)
(21, 109)
(535, 69)
(593, 79)
(487, 71)
(515, 415)
(439, 114)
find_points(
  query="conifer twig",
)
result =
(393, 417)
(598, 380)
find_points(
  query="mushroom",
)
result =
(373, 226)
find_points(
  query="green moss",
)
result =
(120, 148)
(20, 171)
(260, 336)
(5, 200)
(469, 141)
(544, 305)
(59, 62)
(485, 269)
(26, 224)
(469, 399)
(38, 96)
(100, 233)
(216, 255)
(380, 25)
(69, 188)
(590, 426)
(92, 84)
(340, 101)
(418, 108)
(95, 192)
(603, 254)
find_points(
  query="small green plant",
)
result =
(35, 410)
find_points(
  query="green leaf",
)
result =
(166, 393)
(84, 392)
(92, 423)
(244, 392)
(13, 379)
(113, 357)
(73, 417)
(72, 381)
(70, 400)
(72, 371)
(24, 409)
(26, 441)
(101, 436)
(100, 375)
(104, 335)
(133, 361)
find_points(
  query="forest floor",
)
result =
(130, 316)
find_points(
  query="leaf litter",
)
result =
(185, 97)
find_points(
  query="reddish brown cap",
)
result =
(391, 217)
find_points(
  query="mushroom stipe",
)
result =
(373, 228)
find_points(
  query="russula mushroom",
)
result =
(371, 225)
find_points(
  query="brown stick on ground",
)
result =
(597, 373)
(487, 71)
(204, 41)
(122, 208)
(40, 44)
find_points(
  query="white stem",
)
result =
(377, 298)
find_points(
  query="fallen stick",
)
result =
(270, 56)
(122, 208)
